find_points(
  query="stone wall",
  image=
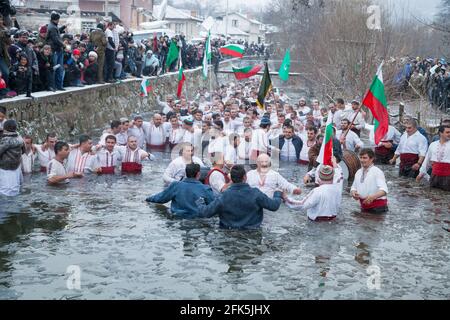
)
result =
(87, 109)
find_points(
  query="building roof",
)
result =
(173, 13)
(243, 16)
(63, 13)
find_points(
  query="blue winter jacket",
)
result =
(184, 195)
(241, 207)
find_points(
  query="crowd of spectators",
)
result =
(427, 77)
(52, 58)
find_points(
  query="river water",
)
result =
(128, 249)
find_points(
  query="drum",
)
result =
(349, 164)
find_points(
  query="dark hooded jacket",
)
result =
(11, 149)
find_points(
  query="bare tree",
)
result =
(332, 41)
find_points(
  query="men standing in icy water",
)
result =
(185, 194)
(241, 206)
(11, 149)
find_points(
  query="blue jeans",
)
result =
(59, 72)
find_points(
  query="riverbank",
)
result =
(85, 109)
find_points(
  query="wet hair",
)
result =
(59, 146)
(111, 137)
(115, 124)
(192, 169)
(287, 122)
(443, 127)
(50, 135)
(312, 129)
(237, 173)
(2, 110)
(219, 124)
(288, 126)
(367, 151)
(412, 122)
(84, 138)
(340, 101)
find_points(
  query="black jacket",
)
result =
(11, 149)
(54, 37)
(90, 75)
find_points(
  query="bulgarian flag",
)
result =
(376, 101)
(145, 87)
(326, 150)
(234, 50)
(246, 72)
(181, 79)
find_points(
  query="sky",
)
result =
(424, 9)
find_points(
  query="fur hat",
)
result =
(93, 54)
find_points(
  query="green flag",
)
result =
(264, 87)
(173, 54)
(207, 55)
(285, 66)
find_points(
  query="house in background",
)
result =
(182, 21)
(252, 27)
(130, 12)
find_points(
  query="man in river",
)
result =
(411, 150)
(240, 206)
(324, 202)
(177, 168)
(46, 151)
(185, 194)
(11, 149)
(438, 158)
(80, 159)
(132, 156)
(268, 180)
(369, 186)
(56, 172)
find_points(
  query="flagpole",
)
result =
(208, 62)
